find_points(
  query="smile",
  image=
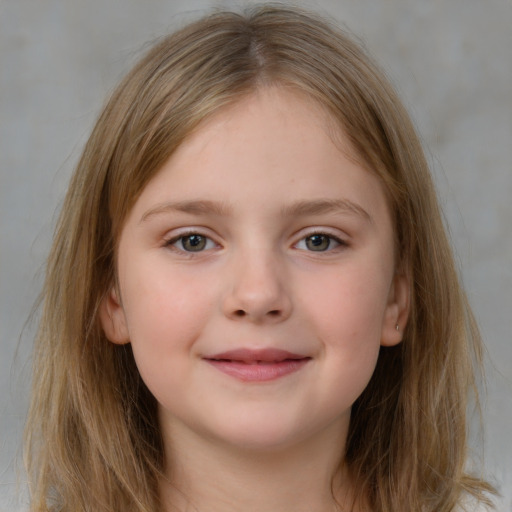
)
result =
(258, 365)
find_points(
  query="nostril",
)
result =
(239, 313)
(274, 312)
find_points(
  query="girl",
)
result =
(251, 303)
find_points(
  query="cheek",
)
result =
(349, 305)
(351, 343)
(164, 315)
(348, 315)
(162, 301)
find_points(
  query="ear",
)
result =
(113, 319)
(397, 311)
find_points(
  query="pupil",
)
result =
(194, 243)
(318, 242)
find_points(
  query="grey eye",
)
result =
(318, 242)
(193, 243)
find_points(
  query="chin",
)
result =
(262, 436)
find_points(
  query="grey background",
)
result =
(451, 61)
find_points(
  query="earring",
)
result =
(397, 327)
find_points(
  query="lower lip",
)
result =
(259, 371)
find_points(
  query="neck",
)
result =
(212, 477)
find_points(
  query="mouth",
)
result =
(258, 365)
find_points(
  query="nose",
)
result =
(257, 291)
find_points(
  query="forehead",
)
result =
(271, 147)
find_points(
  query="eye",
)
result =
(191, 242)
(319, 242)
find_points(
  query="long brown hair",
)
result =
(92, 435)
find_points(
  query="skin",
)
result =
(254, 182)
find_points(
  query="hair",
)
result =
(92, 437)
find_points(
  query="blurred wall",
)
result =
(450, 60)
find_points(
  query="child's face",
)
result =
(259, 240)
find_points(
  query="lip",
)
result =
(258, 365)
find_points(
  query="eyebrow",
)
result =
(194, 207)
(323, 206)
(300, 208)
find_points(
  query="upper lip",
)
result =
(245, 355)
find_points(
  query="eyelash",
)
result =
(183, 236)
(329, 236)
